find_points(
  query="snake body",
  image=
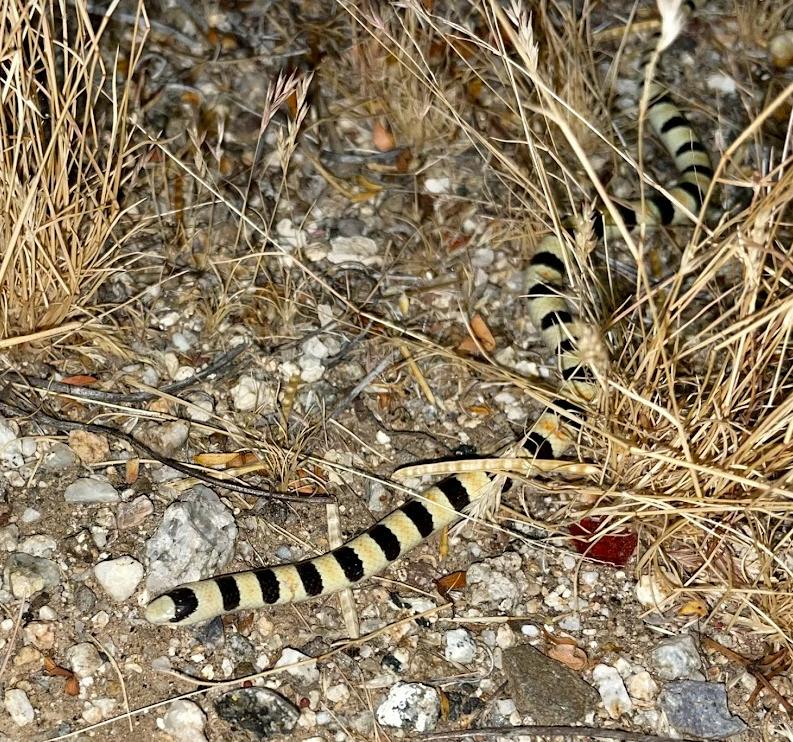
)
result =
(551, 436)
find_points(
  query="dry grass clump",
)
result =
(695, 435)
(65, 143)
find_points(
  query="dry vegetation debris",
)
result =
(352, 192)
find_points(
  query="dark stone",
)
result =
(697, 708)
(545, 689)
(261, 711)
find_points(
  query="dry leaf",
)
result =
(452, 581)
(72, 686)
(570, 655)
(56, 670)
(132, 471)
(79, 380)
(482, 333)
(382, 138)
(696, 607)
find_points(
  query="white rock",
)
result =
(437, 185)
(14, 450)
(722, 83)
(88, 490)
(39, 545)
(30, 515)
(9, 537)
(119, 577)
(311, 369)
(612, 690)
(316, 348)
(253, 394)
(98, 709)
(642, 687)
(337, 693)
(411, 706)
(26, 575)
(19, 707)
(363, 250)
(83, 659)
(41, 634)
(650, 593)
(308, 673)
(460, 646)
(184, 722)
(677, 658)
(289, 235)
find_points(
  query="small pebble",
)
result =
(18, 707)
(41, 634)
(184, 722)
(120, 577)
(678, 658)
(612, 691)
(642, 687)
(83, 659)
(27, 575)
(39, 546)
(411, 706)
(307, 673)
(459, 646)
(131, 514)
(88, 490)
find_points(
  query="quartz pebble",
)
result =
(411, 706)
(89, 490)
(119, 577)
(27, 575)
(184, 722)
(307, 673)
(612, 690)
(18, 707)
(459, 646)
(678, 658)
(83, 659)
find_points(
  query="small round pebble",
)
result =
(83, 659)
(459, 646)
(678, 658)
(184, 722)
(120, 577)
(18, 707)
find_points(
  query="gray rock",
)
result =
(678, 658)
(545, 689)
(27, 575)
(166, 438)
(59, 457)
(699, 709)
(195, 539)
(89, 490)
(261, 711)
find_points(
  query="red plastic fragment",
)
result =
(613, 548)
